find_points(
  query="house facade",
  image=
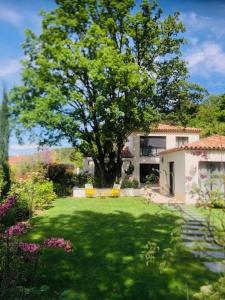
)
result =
(143, 150)
(181, 161)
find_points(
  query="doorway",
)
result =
(171, 178)
(149, 169)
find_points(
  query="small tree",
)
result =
(4, 145)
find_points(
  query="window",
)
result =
(152, 145)
(181, 140)
(211, 176)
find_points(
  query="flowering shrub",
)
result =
(5, 206)
(58, 243)
(19, 260)
(34, 192)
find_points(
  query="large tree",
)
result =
(4, 146)
(99, 70)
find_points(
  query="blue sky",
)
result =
(205, 50)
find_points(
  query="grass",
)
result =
(215, 216)
(109, 236)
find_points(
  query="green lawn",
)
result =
(108, 237)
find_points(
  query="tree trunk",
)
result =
(107, 171)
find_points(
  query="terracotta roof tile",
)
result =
(171, 128)
(215, 142)
(16, 159)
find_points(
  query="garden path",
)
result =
(197, 236)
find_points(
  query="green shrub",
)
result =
(135, 183)
(62, 176)
(34, 193)
(129, 183)
(130, 169)
(152, 179)
(79, 180)
(216, 199)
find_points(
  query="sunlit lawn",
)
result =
(109, 236)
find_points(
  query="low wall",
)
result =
(80, 192)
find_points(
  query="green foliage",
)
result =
(130, 169)
(34, 193)
(97, 72)
(152, 179)
(4, 145)
(62, 176)
(27, 166)
(215, 291)
(211, 116)
(68, 156)
(77, 157)
(129, 183)
(2, 181)
(216, 199)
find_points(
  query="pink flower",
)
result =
(7, 205)
(29, 247)
(188, 178)
(17, 229)
(58, 243)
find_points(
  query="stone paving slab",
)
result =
(192, 238)
(215, 267)
(194, 223)
(208, 253)
(192, 227)
(204, 245)
(196, 232)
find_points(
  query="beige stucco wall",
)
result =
(192, 172)
(134, 146)
(179, 170)
(186, 172)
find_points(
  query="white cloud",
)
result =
(197, 23)
(10, 16)
(9, 67)
(206, 59)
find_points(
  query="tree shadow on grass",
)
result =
(106, 263)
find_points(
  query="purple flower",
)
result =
(58, 243)
(17, 229)
(29, 247)
(9, 202)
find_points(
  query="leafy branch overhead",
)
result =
(98, 71)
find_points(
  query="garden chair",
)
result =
(116, 190)
(90, 192)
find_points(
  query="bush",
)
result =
(152, 179)
(34, 193)
(219, 203)
(79, 180)
(129, 183)
(62, 176)
(20, 266)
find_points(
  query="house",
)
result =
(142, 150)
(176, 156)
(198, 165)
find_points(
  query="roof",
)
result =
(126, 153)
(215, 142)
(171, 128)
(16, 159)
